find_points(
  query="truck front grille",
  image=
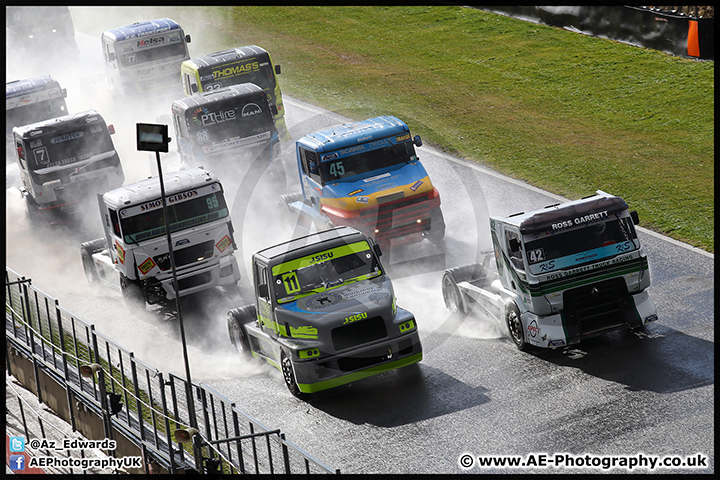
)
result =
(186, 256)
(397, 218)
(365, 359)
(358, 333)
(597, 307)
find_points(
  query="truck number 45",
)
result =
(337, 169)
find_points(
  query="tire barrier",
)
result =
(104, 392)
(676, 34)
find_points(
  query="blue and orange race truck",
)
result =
(367, 175)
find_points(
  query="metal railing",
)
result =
(100, 374)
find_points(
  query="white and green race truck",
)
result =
(134, 254)
(325, 312)
(559, 274)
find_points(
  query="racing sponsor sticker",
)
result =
(416, 185)
(120, 253)
(223, 244)
(146, 266)
(403, 138)
(533, 329)
(355, 192)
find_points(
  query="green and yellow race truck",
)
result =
(325, 312)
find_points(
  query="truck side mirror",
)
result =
(194, 88)
(111, 57)
(64, 92)
(187, 38)
(376, 249)
(417, 141)
(273, 109)
(277, 69)
(263, 290)
(635, 217)
(514, 245)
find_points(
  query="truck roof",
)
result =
(302, 246)
(239, 53)
(149, 188)
(44, 87)
(67, 121)
(351, 134)
(142, 29)
(204, 98)
(543, 219)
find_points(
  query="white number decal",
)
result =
(337, 169)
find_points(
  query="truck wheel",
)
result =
(237, 318)
(437, 227)
(454, 298)
(289, 375)
(87, 250)
(134, 296)
(512, 318)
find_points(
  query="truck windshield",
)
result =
(364, 162)
(248, 71)
(59, 148)
(34, 112)
(139, 224)
(153, 54)
(580, 246)
(323, 270)
(230, 128)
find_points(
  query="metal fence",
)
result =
(137, 401)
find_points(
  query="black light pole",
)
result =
(155, 138)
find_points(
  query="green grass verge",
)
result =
(565, 112)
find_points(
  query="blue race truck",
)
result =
(367, 175)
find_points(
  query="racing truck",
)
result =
(143, 59)
(560, 274)
(367, 175)
(31, 100)
(230, 126)
(64, 162)
(134, 253)
(248, 64)
(325, 313)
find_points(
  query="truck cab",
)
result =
(228, 127)
(33, 100)
(135, 245)
(367, 175)
(143, 59)
(248, 64)
(66, 160)
(325, 312)
(562, 273)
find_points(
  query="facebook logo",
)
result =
(17, 462)
(17, 444)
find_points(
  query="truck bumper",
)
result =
(329, 372)
(563, 329)
(225, 272)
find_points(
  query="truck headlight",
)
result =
(408, 326)
(308, 353)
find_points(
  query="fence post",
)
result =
(286, 455)
(166, 416)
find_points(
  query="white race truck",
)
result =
(135, 247)
(559, 274)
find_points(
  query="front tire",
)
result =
(515, 328)
(437, 227)
(289, 375)
(87, 250)
(237, 319)
(452, 295)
